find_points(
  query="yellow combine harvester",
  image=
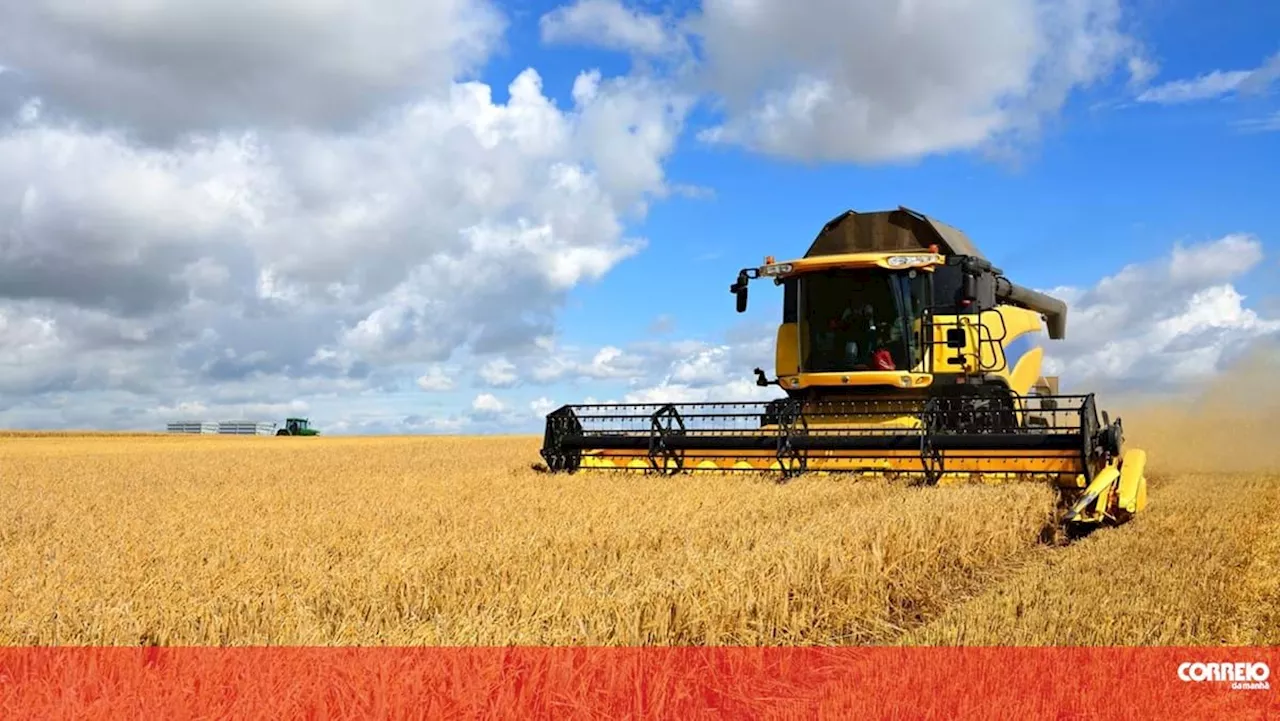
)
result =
(891, 358)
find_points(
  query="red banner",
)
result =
(626, 683)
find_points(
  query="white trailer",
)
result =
(246, 428)
(193, 427)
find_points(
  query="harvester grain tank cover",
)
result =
(901, 230)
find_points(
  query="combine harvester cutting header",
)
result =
(892, 357)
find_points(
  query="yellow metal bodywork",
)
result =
(1133, 482)
(1116, 492)
(1026, 374)
(986, 335)
(922, 261)
(787, 354)
(1062, 468)
(899, 379)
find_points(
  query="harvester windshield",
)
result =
(857, 319)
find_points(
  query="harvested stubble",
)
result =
(197, 540)
(1201, 570)
(1200, 567)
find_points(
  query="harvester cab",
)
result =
(892, 356)
(297, 427)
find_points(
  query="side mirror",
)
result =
(739, 289)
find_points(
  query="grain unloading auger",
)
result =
(892, 357)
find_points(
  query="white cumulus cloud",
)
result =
(499, 373)
(487, 403)
(542, 406)
(436, 379)
(166, 68)
(239, 216)
(609, 24)
(608, 362)
(1164, 322)
(869, 81)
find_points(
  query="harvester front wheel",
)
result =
(283, 432)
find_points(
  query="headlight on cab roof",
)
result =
(903, 261)
(776, 269)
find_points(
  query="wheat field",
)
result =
(179, 540)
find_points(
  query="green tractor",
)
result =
(297, 427)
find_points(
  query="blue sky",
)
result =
(1104, 187)
(335, 248)
(1110, 183)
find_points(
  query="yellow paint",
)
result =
(787, 357)
(852, 378)
(1019, 322)
(853, 421)
(924, 261)
(1062, 467)
(1115, 489)
(986, 336)
(1133, 483)
(1101, 489)
(1025, 374)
